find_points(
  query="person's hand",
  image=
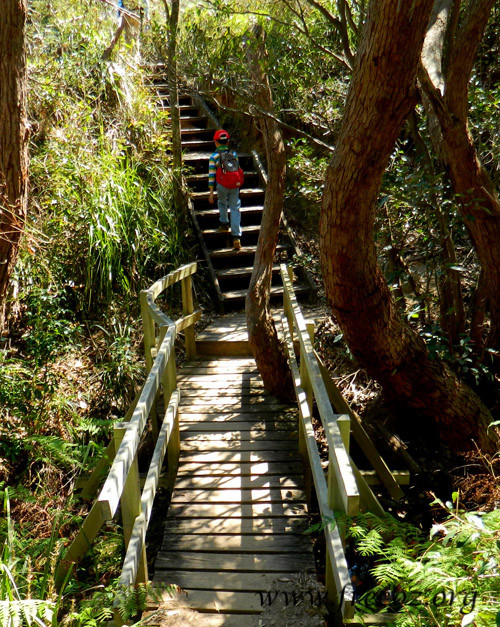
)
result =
(211, 197)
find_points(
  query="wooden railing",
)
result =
(122, 484)
(344, 488)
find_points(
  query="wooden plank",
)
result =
(230, 336)
(232, 482)
(256, 429)
(199, 619)
(190, 435)
(232, 416)
(194, 385)
(231, 543)
(216, 408)
(221, 347)
(242, 495)
(236, 510)
(237, 372)
(280, 562)
(251, 582)
(215, 389)
(219, 365)
(240, 456)
(222, 600)
(202, 446)
(247, 401)
(241, 378)
(402, 477)
(240, 469)
(203, 526)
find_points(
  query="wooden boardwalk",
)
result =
(237, 515)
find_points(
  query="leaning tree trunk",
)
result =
(381, 95)
(13, 140)
(446, 91)
(262, 335)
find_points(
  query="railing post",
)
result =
(287, 306)
(149, 330)
(344, 423)
(174, 444)
(305, 384)
(187, 309)
(131, 501)
(335, 500)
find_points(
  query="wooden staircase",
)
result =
(230, 270)
(234, 530)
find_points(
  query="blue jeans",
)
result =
(229, 199)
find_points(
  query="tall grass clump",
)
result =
(102, 216)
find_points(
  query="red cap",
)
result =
(221, 134)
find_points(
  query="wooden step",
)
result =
(275, 291)
(240, 469)
(186, 132)
(232, 543)
(243, 272)
(245, 250)
(244, 192)
(242, 526)
(210, 233)
(195, 144)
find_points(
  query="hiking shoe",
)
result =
(223, 227)
(236, 243)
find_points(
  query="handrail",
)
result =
(339, 491)
(122, 484)
(345, 487)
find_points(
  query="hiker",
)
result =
(224, 170)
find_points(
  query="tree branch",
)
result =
(295, 26)
(464, 53)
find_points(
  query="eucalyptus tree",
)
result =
(382, 94)
(449, 53)
(262, 335)
(13, 140)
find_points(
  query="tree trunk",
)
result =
(173, 23)
(381, 95)
(478, 203)
(13, 140)
(451, 303)
(262, 335)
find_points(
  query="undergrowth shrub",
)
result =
(448, 579)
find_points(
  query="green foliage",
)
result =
(449, 580)
(27, 593)
(130, 602)
(306, 175)
(120, 364)
(102, 215)
(212, 55)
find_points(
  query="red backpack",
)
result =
(229, 173)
